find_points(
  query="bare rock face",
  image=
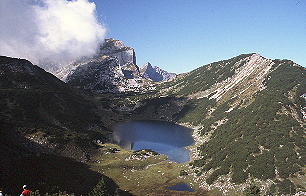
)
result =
(113, 69)
(97, 73)
(247, 78)
(115, 48)
(155, 73)
(125, 55)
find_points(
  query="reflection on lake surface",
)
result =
(162, 137)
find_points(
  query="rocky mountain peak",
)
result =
(125, 57)
(116, 48)
(113, 69)
(147, 66)
(114, 44)
(155, 73)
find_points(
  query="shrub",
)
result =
(100, 189)
(286, 187)
(252, 190)
(183, 173)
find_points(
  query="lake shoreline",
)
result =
(164, 137)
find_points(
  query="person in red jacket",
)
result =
(26, 191)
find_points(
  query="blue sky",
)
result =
(181, 35)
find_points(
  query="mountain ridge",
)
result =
(245, 97)
(42, 107)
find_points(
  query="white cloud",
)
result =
(54, 31)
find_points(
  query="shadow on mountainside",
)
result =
(45, 172)
(160, 108)
(21, 164)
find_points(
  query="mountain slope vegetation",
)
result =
(251, 125)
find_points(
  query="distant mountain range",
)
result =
(248, 113)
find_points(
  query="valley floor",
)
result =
(142, 175)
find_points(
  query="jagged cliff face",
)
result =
(115, 48)
(125, 55)
(99, 74)
(113, 69)
(155, 73)
(248, 114)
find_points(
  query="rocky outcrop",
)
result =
(155, 73)
(99, 73)
(125, 55)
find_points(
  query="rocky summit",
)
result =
(116, 48)
(155, 73)
(112, 69)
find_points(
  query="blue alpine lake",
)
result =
(162, 137)
(180, 187)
